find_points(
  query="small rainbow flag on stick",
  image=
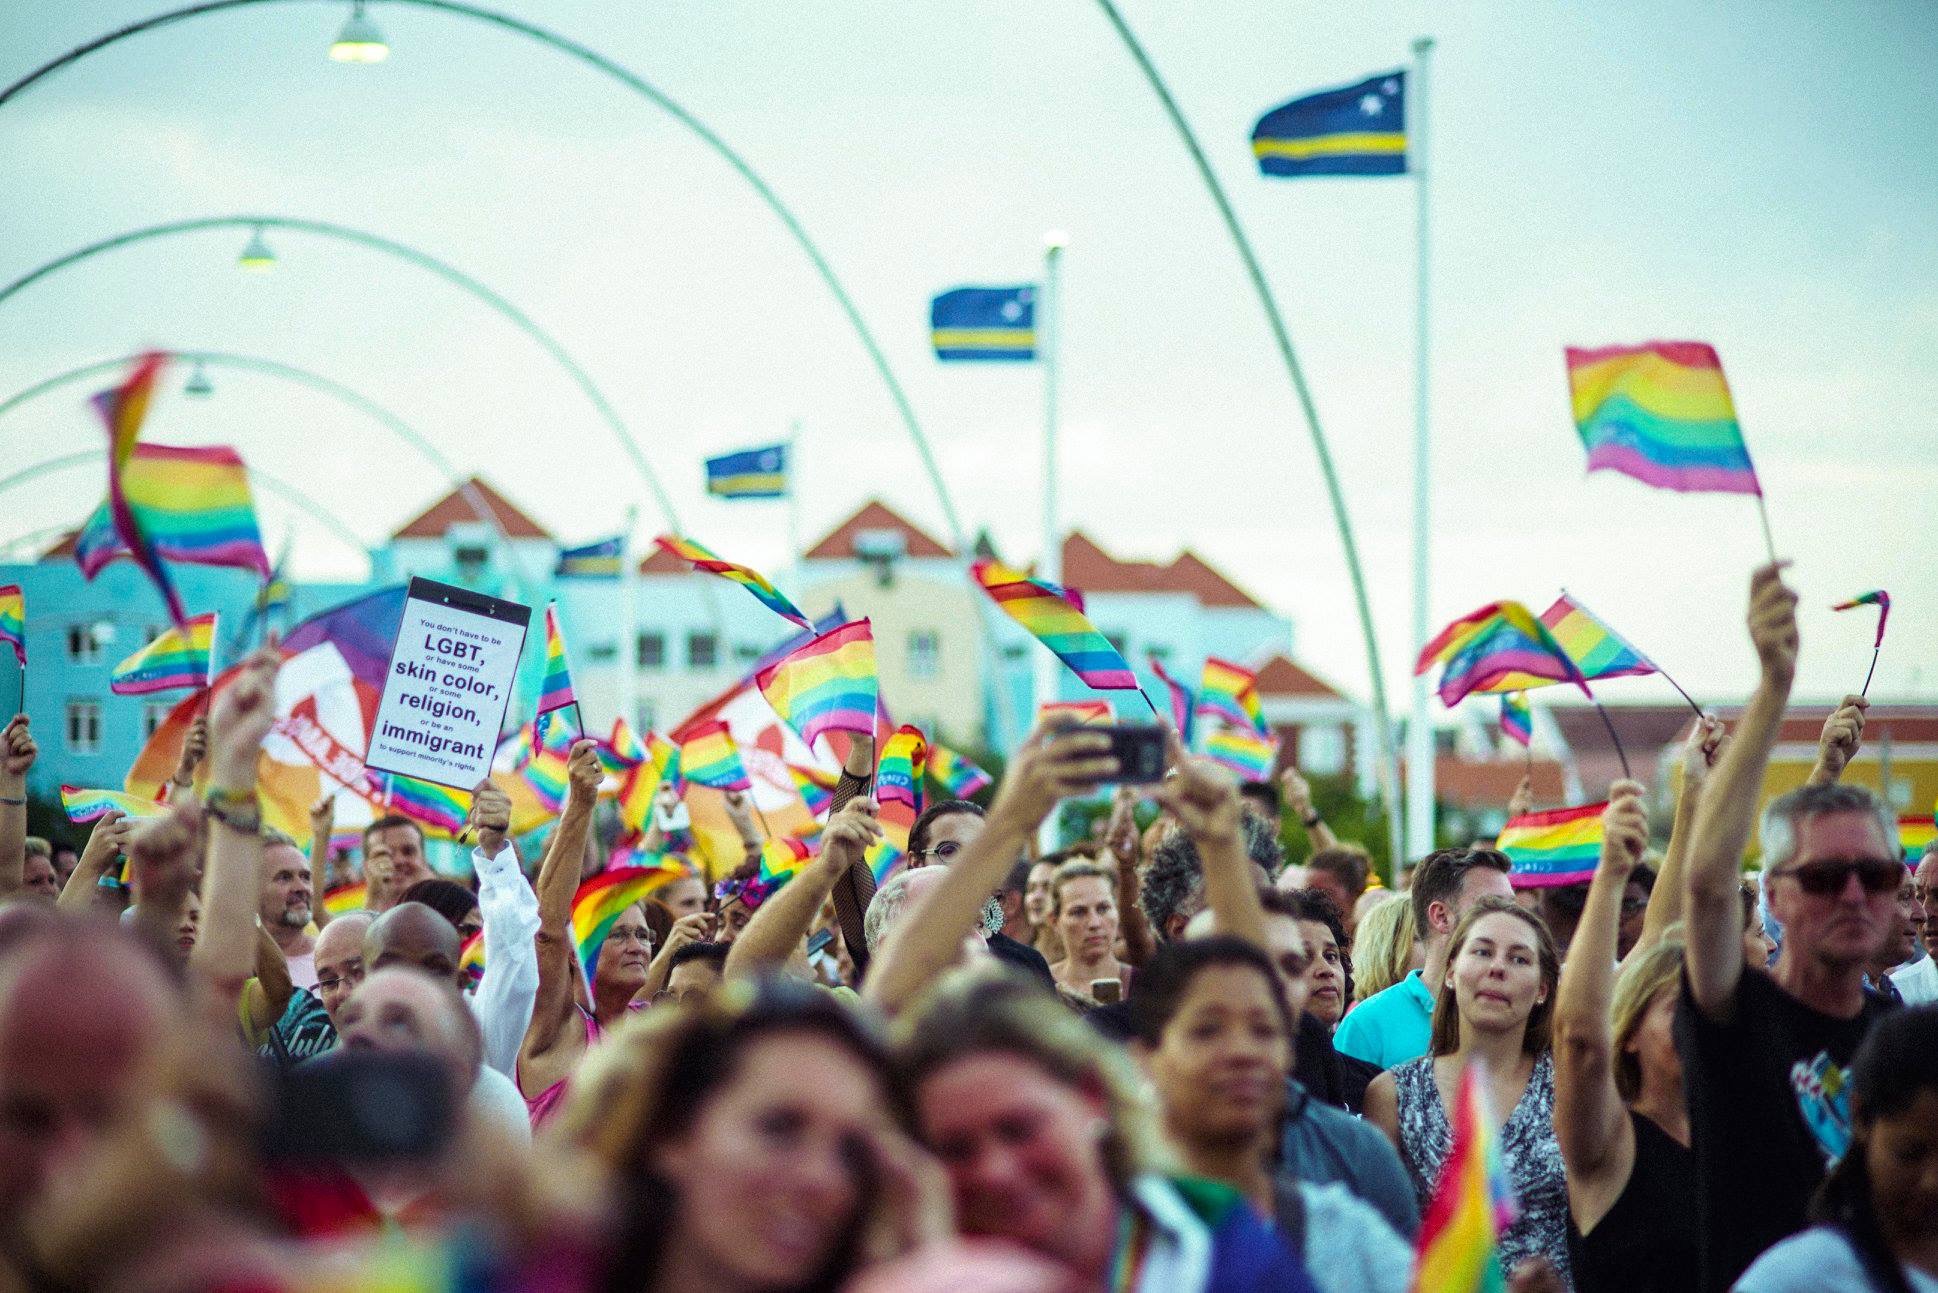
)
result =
(957, 776)
(1053, 618)
(747, 577)
(13, 621)
(1231, 692)
(816, 787)
(708, 757)
(1251, 757)
(555, 690)
(345, 898)
(1517, 719)
(1495, 649)
(826, 684)
(1881, 600)
(781, 858)
(439, 809)
(1459, 1248)
(1556, 847)
(637, 792)
(1183, 703)
(178, 657)
(898, 791)
(91, 805)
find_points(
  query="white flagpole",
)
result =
(1050, 565)
(628, 707)
(1419, 731)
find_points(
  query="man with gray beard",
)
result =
(284, 905)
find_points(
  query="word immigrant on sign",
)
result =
(448, 685)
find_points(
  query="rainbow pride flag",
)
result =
(1230, 692)
(708, 757)
(781, 858)
(1251, 757)
(636, 793)
(346, 898)
(92, 805)
(747, 577)
(816, 787)
(439, 809)
(178, 657)
(546, 768)
(958, 777)
(825, 685)
(1051, 615)
(1459, 1249)
(622, 750)
(116, 527)
(1183, 703)
(555, 689)
(601, 900)
(898, 794)
(1495, 649)
(1555, 847)
(1082, 711)
(470, 959)
(1517, 719)
(1660, 412)
(13, 621)
(1879, 599)
(1916, 835)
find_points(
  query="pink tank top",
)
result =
(543, 1105)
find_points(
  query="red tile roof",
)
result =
(1280, 676)
(875, 515)
(1470, 784)
(435, 521)
(1087, 567)
(661, 562)
(63, 549)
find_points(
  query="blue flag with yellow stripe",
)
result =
(1354, 130)
(751, 473)
(984, 323)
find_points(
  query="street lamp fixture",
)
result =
(198, 383)
(359, 41)
(256, 256)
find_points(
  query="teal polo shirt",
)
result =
(1389, 1027)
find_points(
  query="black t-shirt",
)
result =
(1023, 957)
(1769, 1110)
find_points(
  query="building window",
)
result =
(83, 726)
(924, 654)
(746, 652)
(602, 652)
(84, 643)
(1014, 651)
(702, 650)
(652, 651)
(470, 559)
(153, 715)
(1322, 748)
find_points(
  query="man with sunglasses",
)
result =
(1765, 1054)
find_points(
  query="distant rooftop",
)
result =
(435, 521)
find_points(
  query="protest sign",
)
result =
(448, 684)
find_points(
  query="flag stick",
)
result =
(1769, 542)
(1154, 714)
(1620, 753)
(1864, 691)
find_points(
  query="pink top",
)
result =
(543, 1105)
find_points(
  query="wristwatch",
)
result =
(239, 810)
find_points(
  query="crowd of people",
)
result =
(1163, 1059)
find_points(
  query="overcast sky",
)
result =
(1756, 174)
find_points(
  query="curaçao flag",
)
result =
(984, 323)
(750, 473)
(1353, 130)
(601, 560)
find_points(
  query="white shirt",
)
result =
(1818, 1260)
(495, 1100)
(503, 1001)
(1917, 983)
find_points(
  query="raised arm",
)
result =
(195, 748)
(1053, 765)
(1298, 797)
(1699, 755)
(1204, 799)
(225, 950)
(1597, 1142)
(322, 826)
(1837, 746)
(108, 839)
(17, 751)
(1728, 808)
(558, 880)
(509, 987)
(780, 923)
(1121, 838)
(854, 890)
(740, 811)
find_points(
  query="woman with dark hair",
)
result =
(745, 1140)
(1877, 1211)
(1495, 1009)
(450, 900)
(1214, 1033)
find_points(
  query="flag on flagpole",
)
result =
(555, 691)
(1494, 649)
(1662, 413)
(709, 757)
(1230, 692)
(749, 473)
(746, 576)
(956, 774)
(1051, 615)
(178, 657)
(1352, 130)
(601, 560)
(1517, 719)
(1183, 702)
(827, 685)
(13, 621)
(984, 323)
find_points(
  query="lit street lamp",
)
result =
(359, 41)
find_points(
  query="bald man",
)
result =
(339, 959)
(413, 935)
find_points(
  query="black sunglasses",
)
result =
(1829, 876)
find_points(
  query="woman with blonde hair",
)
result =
(1494, 1009)
(1619, 1111)
(1382, 948)
(1048, 1145)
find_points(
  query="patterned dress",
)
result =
(1528, 1148)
